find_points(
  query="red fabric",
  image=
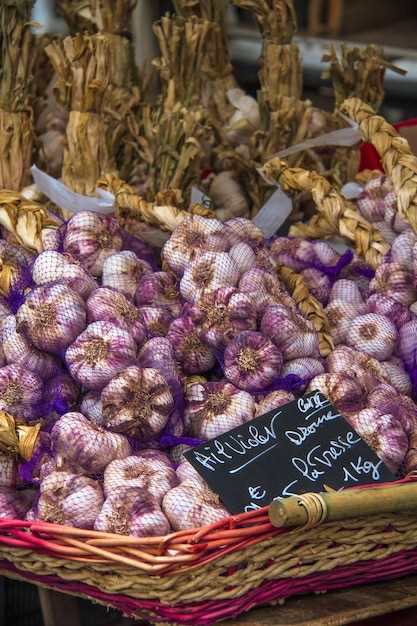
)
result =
(369, 156)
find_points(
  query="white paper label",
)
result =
(274, 213)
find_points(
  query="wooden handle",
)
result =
(312, 509)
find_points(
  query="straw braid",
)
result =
(339, 215)
(309, 306)
(398, 161)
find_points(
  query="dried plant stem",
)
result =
(212, 10)
(398, 161)
(16, 141)
(281, 71)
(336, 212)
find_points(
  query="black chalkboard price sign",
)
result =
(296, 448)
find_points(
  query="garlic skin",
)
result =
(52, 267)
(396, 312)
(402, 248)
(91, 407)
(374, 335)
(216, 407)
(318, 284)
(294, 335)
(18, 349)
(138, 402)
(339, 316)
(208, 272)
(192, 505)
(107, 305)
(77, 441)
(194, 236)
(243, 255)
(70, 500)
(8, 470)
(156, 321)
(159, 289)
(264, 289)
(151, 475)
(305, 368)
(52, 317)
(14, 504)
(92, 239)
(345, 290)
(132, 512)
(366, 370)
(395, 373)
(272, 401)
(384, 434)
(99, 353)
(190, 351)
(345, 393)
(122, 272)
(252, 362)
(223, 314)
(396, 281)
(20, 392)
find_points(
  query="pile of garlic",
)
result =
(126, 363)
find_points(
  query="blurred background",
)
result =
(391, 24)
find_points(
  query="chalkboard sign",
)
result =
(296, 448)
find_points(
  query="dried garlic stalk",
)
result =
(212, 10)
(77, 14)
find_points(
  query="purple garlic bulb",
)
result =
(295, 336)
(159, 289)
(122, 272)
(185, 471)
(345, 393)
(78, 442)
(61, 394)
(99, 353)
(387, 400)
(14, 504)
(272, 401)
(158, 353)
(374, 335)
(339, 316)
(369, 372)
(318, 284)
(8, 470)
(292, 252)
(402, 248)
(138, 402)
(190, 351)
(239, 230)
(396, 281)
(252, 362)
(345, 290)
(395, 373)
(92, 239)
(216, 407)
(156, 320)
(396, 312)
(223, 314)
(19, 350)
(131, 511)
(52, 267)
(264, 288)
(91, 407)
(305, 368)
(208, 272)
(51, 238)
(20, 392)
(376, 197)
(52, 317)
(243, 255)
(107, 305)
(69, 500)
(192, 505)
(407, 346)
(151, 475)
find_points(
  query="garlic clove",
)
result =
(208, 272)
(192, 505)
(347, 291)
(99, 353)
(122, 272)
(240, 229)
(373, 334)
(252, 362)
(190, 351)
(407, 345)
(20, 392)
(150, 475)
(51, 239)
(272, 401)
(107, 305)
(293, 252)
(265, 289)
(52, 317)
(387, 400)
(138, 402)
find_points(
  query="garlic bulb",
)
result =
(159, 289)
(18, 349)
(138, 402)
(325, 253)
(407, 345)
(223, 314)
(384, 434)
(77, 441)
(294, 335)
(99, 353)
(132, 512)
(252, 362)
(8, 470)
(92, 408)
(107, 305)
(20, 392)
(345, 393)
(339, 316)
(318, 284)
(60, 395)
(51, 239)
(396, 281)
(158, 353)
(156, 321)
(193, 237)
(387, 400)
(373, 334)
(191, 505)
(185, 471)
(304, 368)
(402, 248)
(240, 229)
(216, 407)
(208, 272)
(190, 351)
(395, 220)
(14, 504)
(382, 304)
(52, 267)
(345, 290)
(91, 239)
(395, 373)
(366, 370)
(52, 317)
(228, 196)
(246, 118)
(70, 500)
(293, 252)
(243, 255)
(150, 475)
(377, 195)
(264, 289)
(122, 272)
(272, 401)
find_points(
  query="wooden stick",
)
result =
(311, 509)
